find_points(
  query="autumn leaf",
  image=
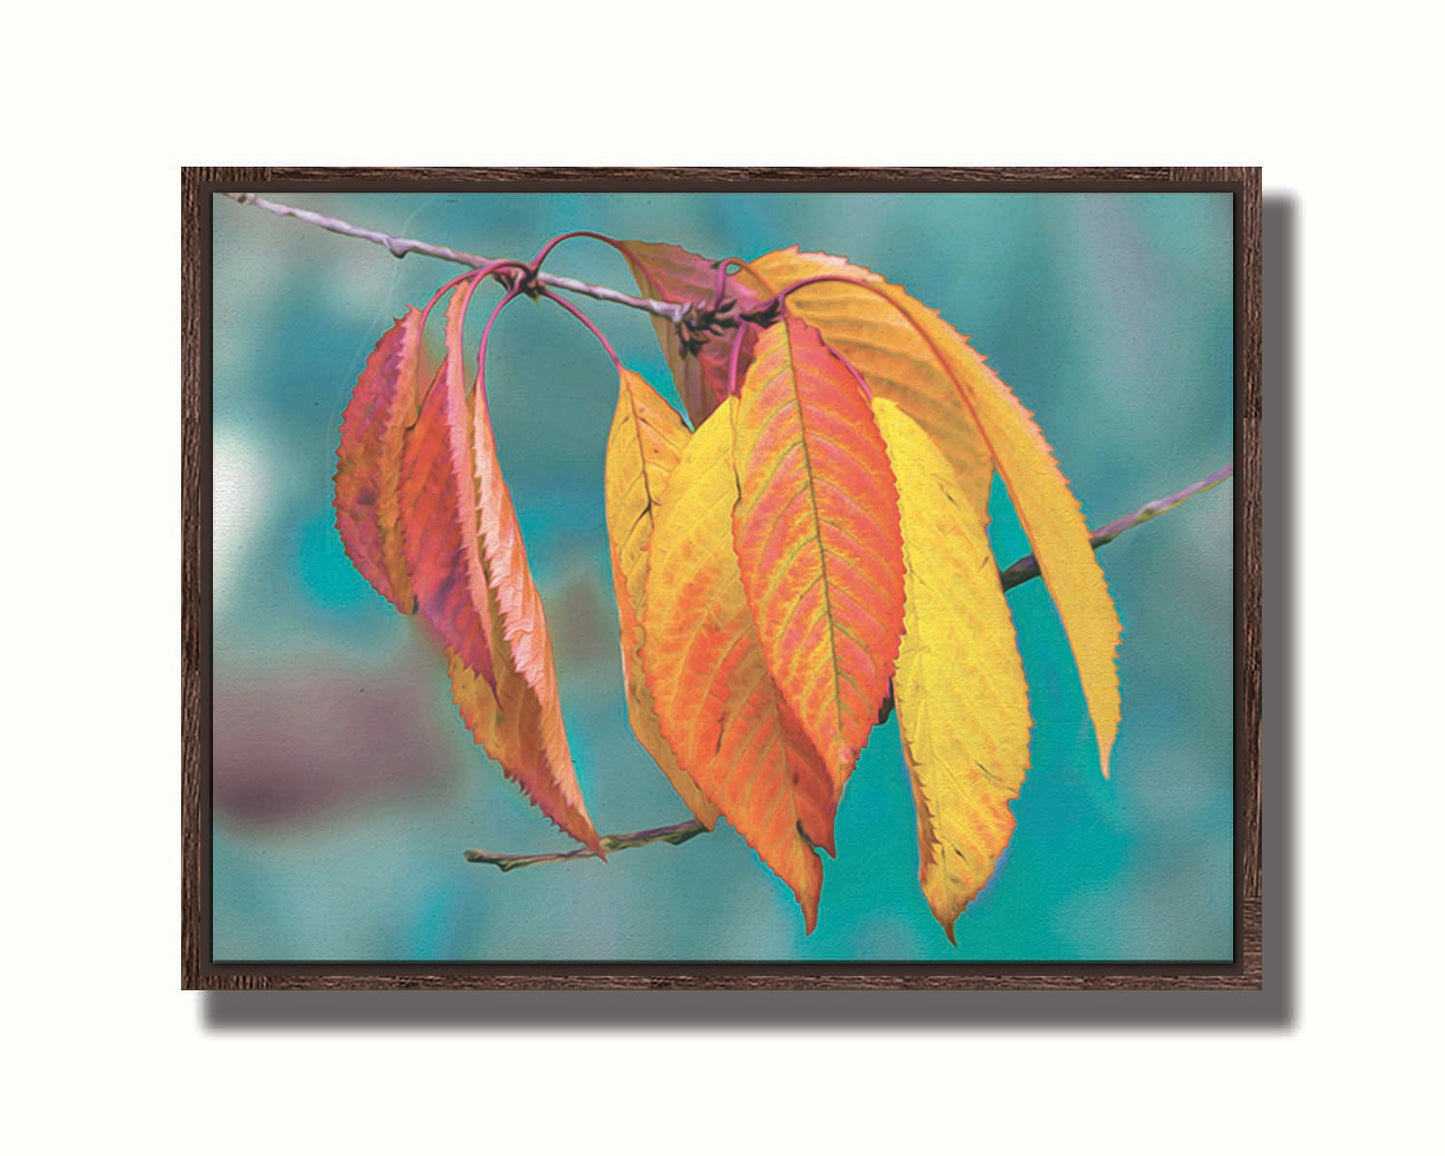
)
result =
(963, 405)
(700, 366)
(817, 537)
(368, 472)
(438, 496)
(717, 705)
(521, 645)
(896, 360)
(1053, 521)
(517, 728)
(643, 448)
(959, 690)
(474, 586)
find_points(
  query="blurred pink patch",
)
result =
(291, 747)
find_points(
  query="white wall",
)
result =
(103, 111)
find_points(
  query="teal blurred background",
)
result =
(346, 788)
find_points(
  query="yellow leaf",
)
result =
(959, 689)
(643, 448)
(1051, 517)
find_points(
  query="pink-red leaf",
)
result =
(699, 359)
(368, 470)
(817, 537)
(475, 588)
(438, 495)
(521, 644)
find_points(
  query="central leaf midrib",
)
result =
(817, 527)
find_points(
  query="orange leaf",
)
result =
(512, 724)
(699, 362)
(643, 448)
(959, 691)
(963, 405)
(896, 361)
(717, 705)
(817, 538)
(368, 471)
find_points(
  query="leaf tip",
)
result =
(1106, 748)
(826, 840)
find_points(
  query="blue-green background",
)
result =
(345, 787)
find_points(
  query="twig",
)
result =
(1016, 575)
(1026, 568)
(676, 833)
(401, 246)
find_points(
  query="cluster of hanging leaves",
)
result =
(806, 548)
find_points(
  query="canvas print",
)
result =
(722, 576)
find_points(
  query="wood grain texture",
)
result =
(196, 560)
(820, 179)
(192, 592)
(1246, 185)
(198, 971)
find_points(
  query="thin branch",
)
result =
(676, 834)
(1026, 568)
(401, 246)
(1016, 575)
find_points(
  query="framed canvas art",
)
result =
(721, 578)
